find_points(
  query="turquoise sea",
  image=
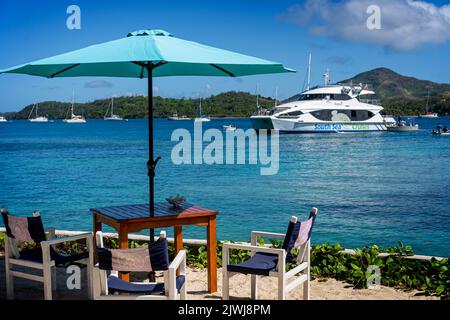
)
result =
(369, 187)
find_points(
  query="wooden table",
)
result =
(134, 218)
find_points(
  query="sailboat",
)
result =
(74, 118)
(3, 119)
(36, 118)
(112, 117)
(428, 114)
(201, 117)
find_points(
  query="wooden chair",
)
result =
(267, 261)
(155, 257)
(42, 256)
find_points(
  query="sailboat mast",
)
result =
(73, 100)
(200, 107)
(276, 96)
(428, 100)
(257, 96)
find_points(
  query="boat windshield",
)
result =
(277, 110)
(322, 96)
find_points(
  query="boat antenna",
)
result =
(326, 77)
(309, 72)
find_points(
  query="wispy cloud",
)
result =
(95, 84)
(405, 24)
(340, 60)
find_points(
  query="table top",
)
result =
(162, 210)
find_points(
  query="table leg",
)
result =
(178, 241)
(212, 255)
(97, 227)
(123, 244)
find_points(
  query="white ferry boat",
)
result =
(328, 108)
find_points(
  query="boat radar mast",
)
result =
(326, 77)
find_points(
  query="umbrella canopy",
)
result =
(148, 54)
(126, 58)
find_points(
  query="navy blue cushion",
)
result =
(260, 264)
(116, 285)
(35, 255)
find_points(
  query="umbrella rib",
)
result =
(146, 65)
(223, 70)
(64, 70)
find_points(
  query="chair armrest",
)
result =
(228, 246)
(170, 276)
(179, 260)
(268, 234)
(77, 237)
(256, 234)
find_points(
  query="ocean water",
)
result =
(369, 187)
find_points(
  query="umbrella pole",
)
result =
(150, 163)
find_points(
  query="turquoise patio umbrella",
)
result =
(148, 54)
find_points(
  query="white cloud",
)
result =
(405, 24)
(95, 84)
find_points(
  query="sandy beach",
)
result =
(328, 289)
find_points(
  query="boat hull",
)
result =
(403, 128)
(284, 126)
(38, 120)
(74, 121)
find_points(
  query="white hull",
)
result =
(286, 126)
(178, 119)
(74, 120)
(39, 120)
(434, 115)
(113, 119)
(202, 120)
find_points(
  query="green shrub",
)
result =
(328, 261)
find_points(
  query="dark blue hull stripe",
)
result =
(328, 131)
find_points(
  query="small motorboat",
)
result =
(229, 127)
(403, 126)
(441, 131)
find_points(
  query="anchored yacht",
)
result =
(112, 116)
(201, 117)
(329, 108)
(326, 108)
(36, 118)
(73, 117)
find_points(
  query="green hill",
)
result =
(228, 104)
(389, 84)
(403, 95)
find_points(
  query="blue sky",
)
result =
(279, 30)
